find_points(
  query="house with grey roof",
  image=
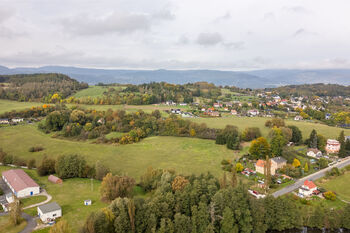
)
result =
(49, 212)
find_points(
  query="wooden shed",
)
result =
(55, 179)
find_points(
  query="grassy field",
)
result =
(7, 227)
(8, 105)
(243, 122)
(340, 185)
(186, 155)
(70, 196)
(32, 200)
(95, 91)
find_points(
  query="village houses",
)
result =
(276, 163)
(333, 146)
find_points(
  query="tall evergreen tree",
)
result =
(342, 152)
(313, 139)
(228, 224)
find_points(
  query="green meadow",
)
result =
(70, 195)
(8, 105)
(340, 185)
(244, 122)
(185, 155)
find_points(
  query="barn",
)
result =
(54, 179)
(20, 183)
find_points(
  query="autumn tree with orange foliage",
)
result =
(179, 183)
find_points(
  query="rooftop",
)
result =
(18, 179)
(50, 207)
(279, 160)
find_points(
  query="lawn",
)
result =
(92, 91)
(243, 122)
(32, 200)
(70, 196)
(7, 227)
(186, 155)
(340, 185)
(8, 105)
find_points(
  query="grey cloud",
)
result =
(226, 16)
(296, 9)
(234, 45)
(303, 32)
(208, 39)
(5, 14)
(116, 22)
(183, 40)
(269, 16)
(164, 15)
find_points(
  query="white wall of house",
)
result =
(50, 215)
(28, 192)
(305, 191)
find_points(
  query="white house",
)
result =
(20, 183)
(49, 212)
(307, 189)
(253, 112)
(298, 118)
(87, 202)
(4, 121)
(315, 153)
(17, 120)
(333, 146)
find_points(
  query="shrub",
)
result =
(19, 161)
(330, 196)
(46, 167)
(31, 163)
(70, 166)
(36, 148)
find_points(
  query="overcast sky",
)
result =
(176, 34)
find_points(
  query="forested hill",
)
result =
(318, 89)
(38, 87)
(242, 79)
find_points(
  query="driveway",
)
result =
(313, 176)
(43, 193)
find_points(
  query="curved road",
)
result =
(313, 176)
(43, 193)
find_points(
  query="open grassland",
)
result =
(7, 227)
(244, 122)
(340, 185)
(185, 155)
(70, 196)
(8, 105)
(130, 108)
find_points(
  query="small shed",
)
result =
(49, 212)
(87, 202)
(54, 179)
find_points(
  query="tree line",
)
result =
(202, 203)
(51, 87)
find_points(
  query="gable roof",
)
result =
(309, 184)
(260, 163)
(50, 207)
(18, 179)
(279, 160)
(313, 150)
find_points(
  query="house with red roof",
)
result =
(308, 189)
(20, 183)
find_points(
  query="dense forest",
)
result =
(152, 93)
(202, 204)
(50, 88)
(318, 89)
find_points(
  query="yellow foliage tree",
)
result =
(296, 163)
(179, 183)
(60, 227)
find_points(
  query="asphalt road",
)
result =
(313, 176)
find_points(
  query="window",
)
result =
(54, 215)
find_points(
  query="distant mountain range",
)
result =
(243, 79)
